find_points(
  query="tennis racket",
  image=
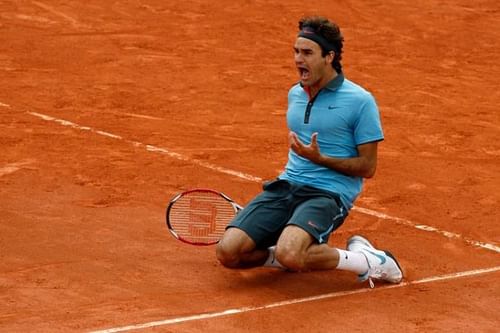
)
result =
(200, 216)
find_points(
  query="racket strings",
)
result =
(201, 216)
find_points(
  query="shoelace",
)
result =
(369, 272)
(374, 273)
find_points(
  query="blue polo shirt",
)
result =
(344, 115)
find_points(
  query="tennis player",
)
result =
(335, 129)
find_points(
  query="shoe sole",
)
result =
(389, 254)
(367, 243)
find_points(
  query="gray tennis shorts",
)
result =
(283, 203)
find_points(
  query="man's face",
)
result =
(312, 67)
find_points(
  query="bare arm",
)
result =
(364, 165)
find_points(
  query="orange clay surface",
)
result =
(83, 244)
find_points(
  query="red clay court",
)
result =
(109, 108)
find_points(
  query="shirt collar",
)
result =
(336, 82)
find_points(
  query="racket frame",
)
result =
(236, 207)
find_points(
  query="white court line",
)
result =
(13, 167)
(248, 177)
(428, 228)
(50, 9)
(245, 309)
(4, 105)
(143, 116)
(136, 115)
(258, 179)
(151, 148)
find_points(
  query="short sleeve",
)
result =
(368, 127)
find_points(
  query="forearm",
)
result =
(355, 166)
(364, 165)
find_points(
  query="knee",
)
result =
(291, 258)
(226, 255)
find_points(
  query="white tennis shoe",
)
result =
(381, 264)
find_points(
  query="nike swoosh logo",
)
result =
(331, 107)
(381, 257)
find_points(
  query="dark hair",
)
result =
(328, 30)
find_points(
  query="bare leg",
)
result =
(237, 250)
(298, 251)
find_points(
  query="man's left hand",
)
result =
(310, 151)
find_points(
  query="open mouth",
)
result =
(304, 73)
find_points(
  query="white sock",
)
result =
(352, 261)
(271, 261)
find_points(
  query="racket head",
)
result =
(200, 216)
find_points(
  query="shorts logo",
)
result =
(312, 224)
